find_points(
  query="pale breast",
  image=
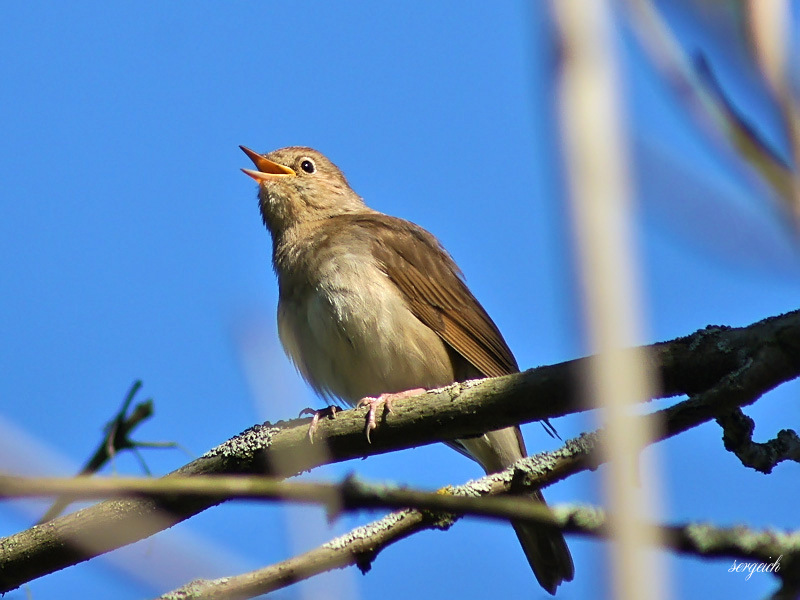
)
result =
(350, 333)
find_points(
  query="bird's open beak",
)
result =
(267, 170)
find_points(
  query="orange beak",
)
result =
(267, 170)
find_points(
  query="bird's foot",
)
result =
(329, 411)
(386, 400)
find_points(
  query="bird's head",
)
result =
(297, 185)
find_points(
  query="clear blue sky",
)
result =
(132, 248)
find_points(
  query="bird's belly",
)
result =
(349, 342)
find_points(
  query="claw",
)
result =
(373, 409)
(329, 411)
(386, 400)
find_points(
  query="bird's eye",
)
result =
(308, 166)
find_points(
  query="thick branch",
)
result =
(737, 434)
(363, 544)
(687, 365)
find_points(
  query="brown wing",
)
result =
(432, 285)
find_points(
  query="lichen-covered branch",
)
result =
(722, 367)
(480, 497)
(361, 546)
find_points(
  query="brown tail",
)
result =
(544, 547)
(547, 552)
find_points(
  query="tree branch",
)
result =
(362, 545)
(359, 546)
(117, 438)
(730, 366)
(737, 434)
(476, 498)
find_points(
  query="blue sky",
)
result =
(133, 249)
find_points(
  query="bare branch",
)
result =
(723, 367)
(117, 438)
(476, 498)
(778, 549)
(362, 545)
(737, 434)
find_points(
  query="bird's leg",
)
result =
(386, 400)
(328, 411)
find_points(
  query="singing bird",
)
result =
(372, 307)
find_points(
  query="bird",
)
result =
(372, 307)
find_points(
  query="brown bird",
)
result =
(372, 305)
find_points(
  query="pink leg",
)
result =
(323, 412)
(386, 400)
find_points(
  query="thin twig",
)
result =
(117, 437)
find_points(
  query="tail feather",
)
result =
(545, 547)
(546, 551)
